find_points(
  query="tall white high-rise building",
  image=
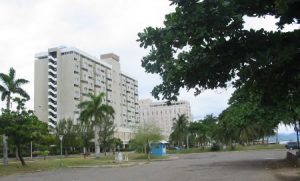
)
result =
(65, 76)
(162, 114)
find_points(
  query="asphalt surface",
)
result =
(225, 166)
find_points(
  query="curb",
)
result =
(167, 159)
(108, 166)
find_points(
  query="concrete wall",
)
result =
(293, 159)
(41, 88)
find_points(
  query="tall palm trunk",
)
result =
(96, 141)
(5, 158)
(5, 155)
(8, 102)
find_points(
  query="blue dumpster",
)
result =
(159, 148)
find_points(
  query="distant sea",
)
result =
(283, 138)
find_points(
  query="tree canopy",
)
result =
(144, 136)
(179, 129)
(96, 112)
(204, 45)
(21, 128)
(10, 85)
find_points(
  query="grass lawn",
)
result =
(54, 163)
(143, 156)
(259, 147)
(236, 148)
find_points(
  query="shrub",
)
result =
(215, 147)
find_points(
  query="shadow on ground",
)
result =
(278, 167)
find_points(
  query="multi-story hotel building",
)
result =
(64, 77)
(162, 114)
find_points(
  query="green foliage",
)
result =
(179, 130)
(11, 85)
(86, 135)
(203, 45)
(203, 131)
(21, 128)
(42, 153)
(144, 136)
(94, 110)
(247, 118)
(95, 113)
(106, 132)
(70, 134)
(115, 143)
(215, 147)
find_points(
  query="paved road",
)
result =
(225, 166)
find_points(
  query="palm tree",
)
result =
(10, 86)
(180, 127)
(95, 111)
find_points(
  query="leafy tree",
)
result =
(87, 134)
(10, 85)
(144, 136)
(107, 130)
(204, 130)
(247, 118)
(20, 103)
(115, 143)
(204, 45)
(69, 131)
(95, 111)
(180, 129)
(21, 128)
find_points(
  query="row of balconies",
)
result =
(52, 90)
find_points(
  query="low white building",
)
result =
(162, 114)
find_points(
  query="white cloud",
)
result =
(97, 27)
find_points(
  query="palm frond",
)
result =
(22, 92)
(12, 73)
(4, 95)
(5, 79)
(20, 82)
(2, 89)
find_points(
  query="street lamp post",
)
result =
(31, 150)
(61, 139)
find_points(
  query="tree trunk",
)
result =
(5, 155)
(17, 155)
(8, 102)
(97, 146)
(66, 152)
(297, 131)
(148, 150)
(5, 158)
(20, 155)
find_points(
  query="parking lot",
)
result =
(225, 166)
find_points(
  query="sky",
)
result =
(96, 27)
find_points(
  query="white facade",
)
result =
(65, 76)
(162, 114)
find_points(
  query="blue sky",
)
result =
(96, 27)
